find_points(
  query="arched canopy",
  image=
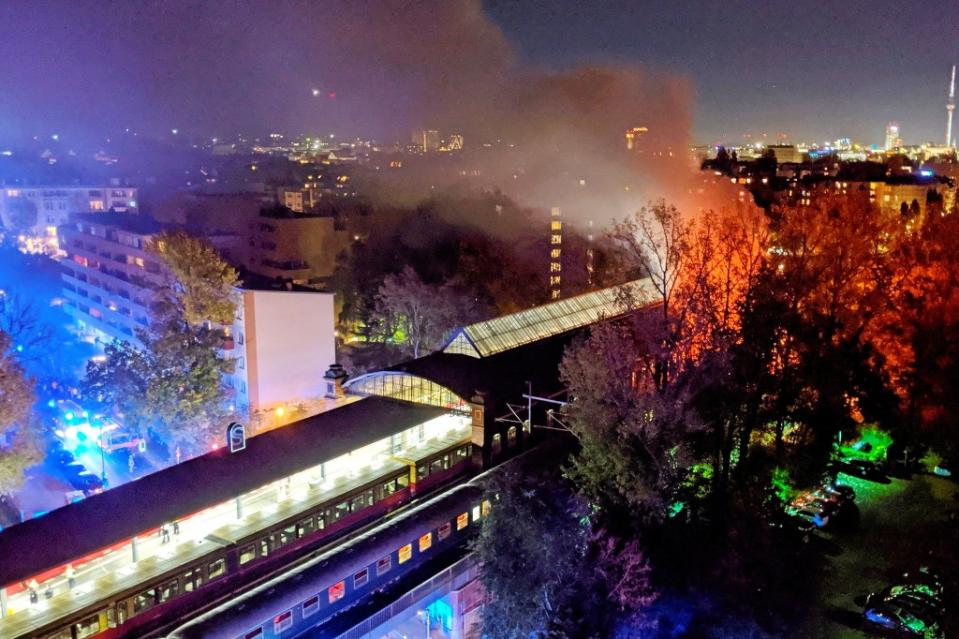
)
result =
(406, 387)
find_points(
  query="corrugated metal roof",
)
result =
(509, 331)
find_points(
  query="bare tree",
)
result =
(20, 320)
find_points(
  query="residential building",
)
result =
(35, 212)
(282, 339)
(297, 200)
(108, 275)
(300, 248)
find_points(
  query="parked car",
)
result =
(919, 598)
(894, 617)
(841, 490)
(862, 468)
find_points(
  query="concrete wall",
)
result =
(289, 344)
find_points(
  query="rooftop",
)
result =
(509, 331)
(130, 222)
(118, 514)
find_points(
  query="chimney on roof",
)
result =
(335, 376)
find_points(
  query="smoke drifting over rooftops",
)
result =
(382, 68)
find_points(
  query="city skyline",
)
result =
(368, 69)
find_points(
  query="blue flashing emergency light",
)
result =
(69, 416)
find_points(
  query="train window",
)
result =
(304, 527)
(282, 621)
(439, 464)
(169, 590)
(426, 541)
(247, 554)
(340, 510)
(321, 520)
(462, 521)
(66, 633)
(336, 591)
(362, 501)
(444, 531)
(311, 606)
(461, 453)
(192, 580)
(486, 507)
(285, 536)
(254, 634)
(476, 513)
(390, 487)
(264, 547)
(403, 481)
(403, 554)
(88, 627)
(217, 568)
(360, 578)
(422, 471)
(144, 600)
(384, 565)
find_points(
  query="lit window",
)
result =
(486, 507)
(426, 541)
(336, 591)
(403, 554)
(476, 513)
(282, 621)
(217, 568)
(360, 578)
(247, 554)
(384, 565)
(462, 521)
(311, 606)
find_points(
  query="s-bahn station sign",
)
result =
(236, 437)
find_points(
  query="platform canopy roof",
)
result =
(500, 334)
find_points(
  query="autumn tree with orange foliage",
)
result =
(918, 334)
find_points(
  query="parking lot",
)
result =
(903, 524)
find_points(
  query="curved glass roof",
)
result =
(406, 387)
(509, 331)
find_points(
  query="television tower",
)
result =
(950, 106)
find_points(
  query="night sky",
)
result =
(814, 70)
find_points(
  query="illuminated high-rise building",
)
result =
(892, 136)
(633, 137)
(555, 253)
(426, 139)
(455, 142)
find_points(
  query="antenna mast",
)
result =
(950, 106)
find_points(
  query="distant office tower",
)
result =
(950, 106)
(555, 254)
(455, 142)
(892, 136)
(426, 139)
(633, 137)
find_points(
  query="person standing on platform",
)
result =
(71, 575)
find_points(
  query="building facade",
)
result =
(299, 248)
(34, 213)
(282, 340)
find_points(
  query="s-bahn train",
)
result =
(311, 594)
(231, 563)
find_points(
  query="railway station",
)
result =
(118, 561)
